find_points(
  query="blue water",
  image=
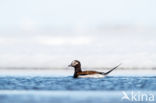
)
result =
(69, 83)
(40, 89)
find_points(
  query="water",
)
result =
(65, 89)
(110, 83)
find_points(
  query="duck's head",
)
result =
(75, 64)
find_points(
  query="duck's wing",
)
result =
(88, 72)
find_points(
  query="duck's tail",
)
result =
(111, 69)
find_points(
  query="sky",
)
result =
(99, 33)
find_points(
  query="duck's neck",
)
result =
(78, 69)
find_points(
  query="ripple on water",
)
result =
(69, 83)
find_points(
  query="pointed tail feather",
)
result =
(111, 70)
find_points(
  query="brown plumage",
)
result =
(88, 72)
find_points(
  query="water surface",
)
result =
(69, 83)
(65, 89)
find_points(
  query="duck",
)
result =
(78, 73)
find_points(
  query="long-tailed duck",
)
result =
(87, 74)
